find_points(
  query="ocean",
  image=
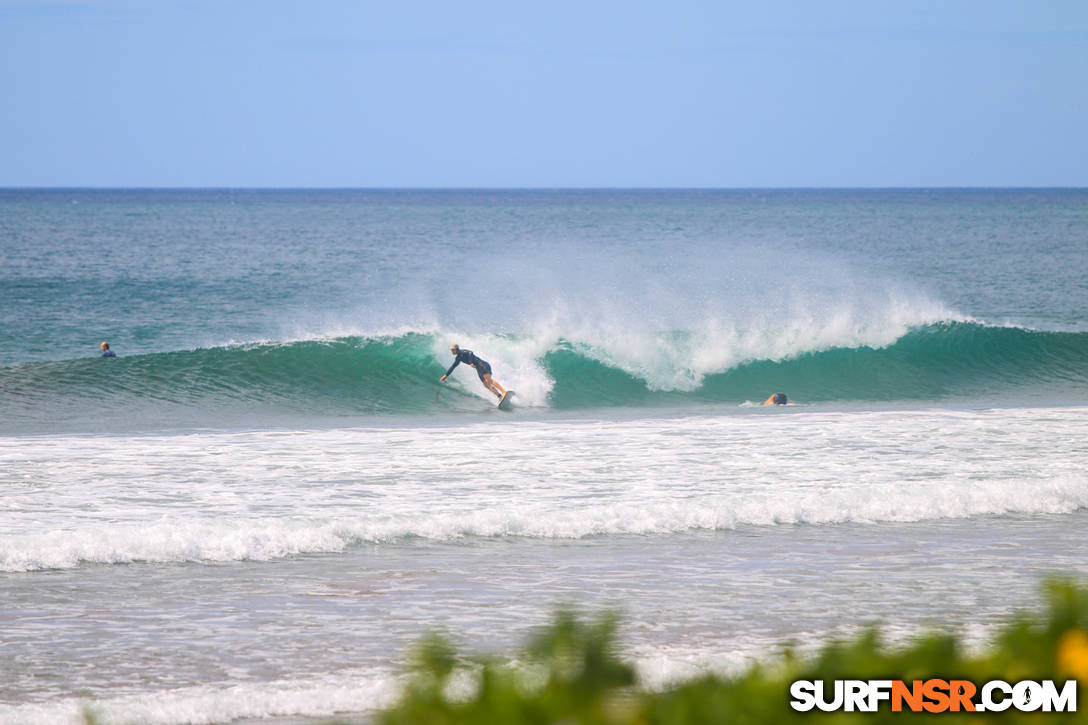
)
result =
(255, 509)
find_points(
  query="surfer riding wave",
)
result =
(483, 369)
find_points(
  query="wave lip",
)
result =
(932, 362)
(398, 374)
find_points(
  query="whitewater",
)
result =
(254, 511)
(173, 499)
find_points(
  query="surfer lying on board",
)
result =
(483, 369)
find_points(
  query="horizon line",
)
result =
(543, 188)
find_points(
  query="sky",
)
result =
(360, 93)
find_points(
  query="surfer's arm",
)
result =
(456, 362)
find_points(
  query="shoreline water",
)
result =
(693, 613)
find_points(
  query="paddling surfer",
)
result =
(483, 369)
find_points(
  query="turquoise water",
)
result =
(256, 507)
(342, 303)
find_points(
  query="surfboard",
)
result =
(505, 403)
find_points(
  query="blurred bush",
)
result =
(572, 673)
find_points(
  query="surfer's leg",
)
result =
(493, 386)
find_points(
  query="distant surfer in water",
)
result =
(106, 351)
(483, 369)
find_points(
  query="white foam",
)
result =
(264, 495)
(262, 540)
(347, 692)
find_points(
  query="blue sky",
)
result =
(332, 93)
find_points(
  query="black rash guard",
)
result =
(469, 358)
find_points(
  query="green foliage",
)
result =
(572, 673)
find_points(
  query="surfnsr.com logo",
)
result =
(933, 695)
